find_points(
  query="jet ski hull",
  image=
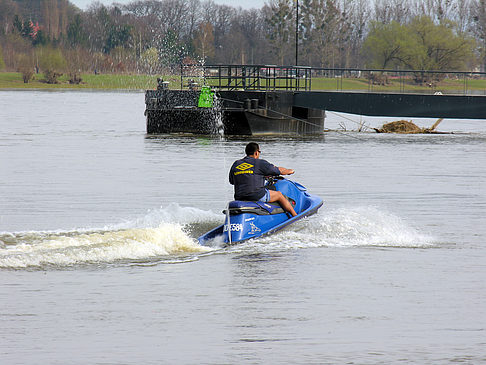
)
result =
(246, 220)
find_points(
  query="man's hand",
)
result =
(284, 171)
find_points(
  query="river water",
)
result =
(99, 262)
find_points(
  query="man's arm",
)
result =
(284, 171)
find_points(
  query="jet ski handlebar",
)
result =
(270, 180)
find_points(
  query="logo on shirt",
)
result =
(244, 166)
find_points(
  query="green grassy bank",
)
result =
(13, 80)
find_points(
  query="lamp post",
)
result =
(297, 33)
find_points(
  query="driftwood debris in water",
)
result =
(431, 129)
(406, 127)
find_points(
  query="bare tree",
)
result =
(438, 10)
(204, 41)
(478, 14)
(358, 17)
(386, 11)
(278, 14)
(331, 32)
(461, 16)
(8, 9)
(193, 16)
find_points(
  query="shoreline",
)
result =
(128, 82)
(91, 81)
(86, 89)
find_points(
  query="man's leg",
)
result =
(277, 196)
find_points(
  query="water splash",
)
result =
(361, 226)
(41, 249)
(170, 234)
(345, 227)
(160, 233)
(217, 114)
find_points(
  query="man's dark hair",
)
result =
(251, 148)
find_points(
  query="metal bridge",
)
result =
(373, 92)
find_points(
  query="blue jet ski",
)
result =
(250, 219)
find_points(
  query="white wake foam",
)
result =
(350, 227)
(75, 248)
(159, 233)
(165, 233)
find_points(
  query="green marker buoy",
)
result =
(206, 97)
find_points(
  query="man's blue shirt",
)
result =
(248, 177)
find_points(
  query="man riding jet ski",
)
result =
(248, 177)
(260, 195)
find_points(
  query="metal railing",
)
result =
(400, 81)
(272, 77)
(248, 77)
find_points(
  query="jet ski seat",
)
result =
(255, 207)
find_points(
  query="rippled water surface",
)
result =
(99, 262)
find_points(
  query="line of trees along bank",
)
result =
(153, 36)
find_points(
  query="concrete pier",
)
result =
(241, 113)
(260, 99)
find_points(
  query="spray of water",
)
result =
(169, 235)
(217, 118)
(351, 227)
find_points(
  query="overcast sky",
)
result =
(245, 4)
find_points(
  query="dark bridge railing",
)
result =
(402, 81)
(271, 77)
(249, 77)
